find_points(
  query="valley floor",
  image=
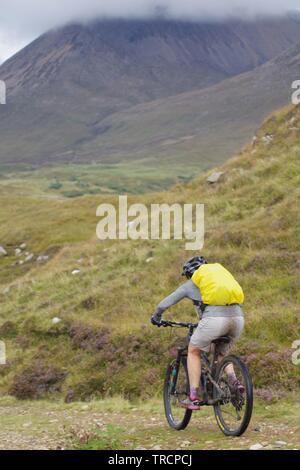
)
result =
(118, 424)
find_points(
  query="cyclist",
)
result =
(218, 298)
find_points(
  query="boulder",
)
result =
(23, 246)
(75, 272)
(3, 252)
(268, 138)
(256, 447)
(42, 258)
(215, 177)
(279, 444)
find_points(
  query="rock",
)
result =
(3, 252)
(56, 320)
(29, 257)
(256, 447)
(18, 251)
(185, 444)
(148, 260)
(268, 138)
(42, 258)
(75, 272)
(279, 444)
(27, 425)
(21, 262)
(6, 290)
(214, 177)
(257, 429)
(23, 246)
(157, 447)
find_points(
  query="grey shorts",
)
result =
(210, 328)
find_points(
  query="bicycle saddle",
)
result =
(222, 339)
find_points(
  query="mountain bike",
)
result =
(233, 409)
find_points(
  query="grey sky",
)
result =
(23, 20)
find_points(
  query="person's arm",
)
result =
(172, 299)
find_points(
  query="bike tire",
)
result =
(181, 423)
(238, 363)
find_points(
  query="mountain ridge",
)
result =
(55, 103)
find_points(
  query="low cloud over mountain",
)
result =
(35, 17)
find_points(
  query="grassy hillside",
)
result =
(104, 343)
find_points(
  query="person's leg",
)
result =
(200, 341)
(235, 330)
(194, 370)
(228, 369)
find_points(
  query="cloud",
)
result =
(22, 20)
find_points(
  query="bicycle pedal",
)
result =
(201, 403)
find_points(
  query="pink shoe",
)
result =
(189, 404)
(238, 387)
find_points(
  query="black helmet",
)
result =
(192, 265)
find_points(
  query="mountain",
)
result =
(65, 85)
(206, 126)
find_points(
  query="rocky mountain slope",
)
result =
(63, 85)
(206, 126)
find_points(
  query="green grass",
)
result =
(109, 439)
(76, 180)
(252, 226)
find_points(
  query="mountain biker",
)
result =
(218, 298)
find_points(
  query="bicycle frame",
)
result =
(208, 367)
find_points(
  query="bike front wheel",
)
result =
(233, 409)
(176, 389)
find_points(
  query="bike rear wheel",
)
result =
(234, 409)
(176, 389)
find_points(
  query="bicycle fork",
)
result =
(175, 371)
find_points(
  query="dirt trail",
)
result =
(52, 425)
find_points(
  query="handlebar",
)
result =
(166, 323)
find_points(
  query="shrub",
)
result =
(85, 337)
(57, 185)
(37, 381)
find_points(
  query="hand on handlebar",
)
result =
(156, 320)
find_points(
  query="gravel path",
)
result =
(51, 425)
